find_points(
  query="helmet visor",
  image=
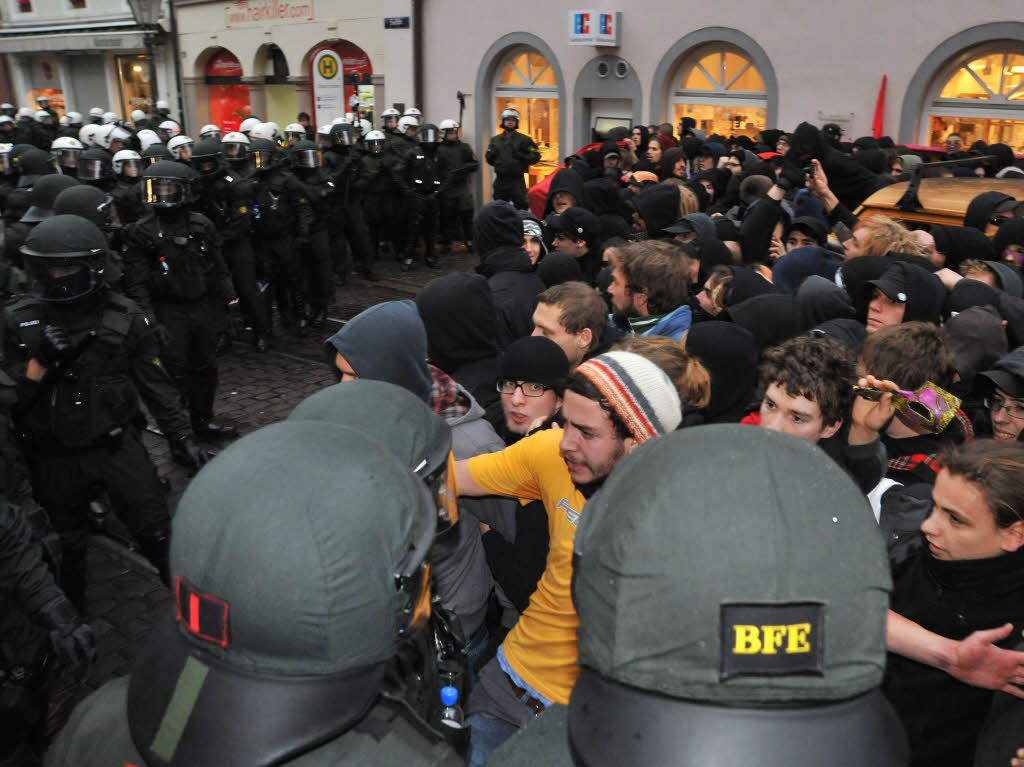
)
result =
(262, 159)
(131, 168)
(164, 192)
(294, 137)
(206, 164)
(376, 145)
(5, 163)
(307, 158)
(61, 280)
(183, 152)
(214, 134)
(90, 170)
(67, 158)
(428, 135)
(234, 151)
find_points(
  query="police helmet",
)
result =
(305, 154)
(8, 109)
(147, 138)
(509, 114)
(43, 116)
(66, 151)
(270, 131)
(87, 135)
(362, 127)
(414, 433)
(162, 104)
(75, 118)
(127, 163)
(323, 136)
(206, 156)
(328, 642)
(109, 118)
(6, 120)
(448, 126)
(413, 112)
(210, 131)
(31, 162)
(42, 99)
(168, 129)
(26, 114)
(167, 184)
(138, 116)
(342, 135)
(375, 141)
(64, 121)
(96, 113)
(180, 148)
(107, 135)
(43, 193)
(389, 117)
(340, 120)
(235, 146)
(94, 164)
(264, 154)
(155, 153)
(294, 132)
(428, 134)
(65, 255)
(248, 124)
(85, 201)
(406, 122)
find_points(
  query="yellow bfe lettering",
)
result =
(798, 638)
(766, 640)
(748, 640)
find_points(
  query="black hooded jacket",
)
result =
(958, 243)
(771, 318)
(458, 313)
(564, 180)
(658, 206)
(602, 198)
(850, 181)
(498, 236)
(981, 207)
(730, 355)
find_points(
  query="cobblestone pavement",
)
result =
(124, 595)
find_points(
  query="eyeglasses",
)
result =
(1013, 408)
(530, 388)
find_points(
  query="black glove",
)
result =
(187, 453)
(56, 346)
(70, 635)
(791, 177)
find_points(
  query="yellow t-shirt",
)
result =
(541, 647)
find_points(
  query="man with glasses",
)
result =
(533, 373)
(1005, 399)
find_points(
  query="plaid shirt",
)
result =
(445, 398)
(931, 460)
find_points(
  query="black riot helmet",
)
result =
(65, 255)
(428, 135)
(43, 195)
(305, 154)
(155, 153)
(85, 201)
(167, 184)
(264, 154)
(94, 165)
(206, 156)
(31, 163)
(342, 135)
(413, 432)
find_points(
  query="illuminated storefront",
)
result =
(527, 84)
(719, 87)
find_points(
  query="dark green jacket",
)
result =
(512, 154)
(462, 163)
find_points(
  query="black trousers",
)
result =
(422, 216)
(318, 267)
(513, 190)
(191, 352)
(241, 261)
(65, 483)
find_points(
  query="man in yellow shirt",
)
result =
(612, 403)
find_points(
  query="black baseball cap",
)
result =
(576, 221)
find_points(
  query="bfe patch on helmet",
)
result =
(772, 639)
(202, 615)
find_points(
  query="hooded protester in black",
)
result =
(564, 180)
(703, 198)
(702, 225)
(854, 274)
(458, 313)
(719, 178)
(849, 181)
(498, 238)
(658, 206)
(822, 300)
(1008, 278)
(967, 293)
(981, 209)
(958, 243)
(772, 318)
(557, 268)
(669, 158)
(602, 198)
(977, 340)
(1009, 233)
(730, 355)
(925, 293)
(797, 265)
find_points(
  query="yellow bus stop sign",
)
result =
(328, 67)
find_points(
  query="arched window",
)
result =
(527, 83)
(719, 86)
(980, 95)
(229, 98)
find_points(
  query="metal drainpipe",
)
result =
(176, 51)
(417, 53)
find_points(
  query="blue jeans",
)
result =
(485, 735)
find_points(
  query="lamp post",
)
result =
(147, 16)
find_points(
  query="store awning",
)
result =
(98, 37)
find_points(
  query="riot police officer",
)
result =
(511, 153)
(66, 151)
(421, 176)
(82, 355)
(288, 656)
(282, 219)
(456, 199)
(127, 167)
(381, 196)
(94, 168)
(344, 161)
(227, 199)
(175, 271)
(307, 165)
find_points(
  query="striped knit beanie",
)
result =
(639, 391)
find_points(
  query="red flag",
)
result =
(876, 124)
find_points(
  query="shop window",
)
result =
(719, 86)
(133, 83)
(23, 6)
(527, 83)
(982, 98)
(229, 98)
